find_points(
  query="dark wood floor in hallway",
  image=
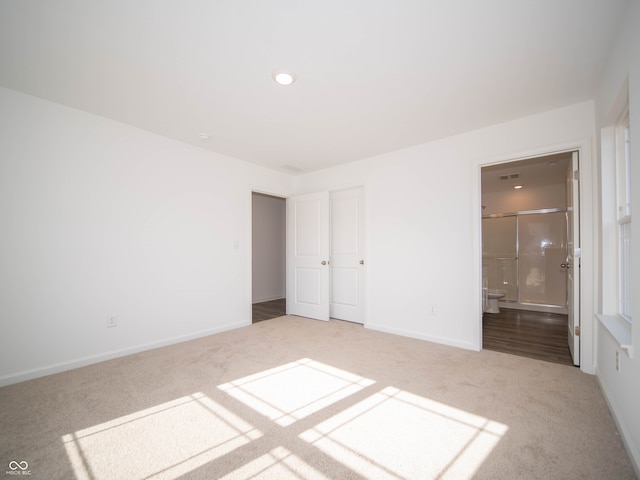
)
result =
(268, 310)
(528, 334)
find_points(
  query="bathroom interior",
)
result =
(524, 252)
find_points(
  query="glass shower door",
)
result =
(542, 251)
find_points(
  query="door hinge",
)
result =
(577, 330)
(576, 174)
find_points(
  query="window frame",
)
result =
(615, 192)
(623, 215)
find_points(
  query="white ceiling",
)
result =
(373, 75)
(533, 172)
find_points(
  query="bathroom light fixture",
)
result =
(517, 187)
(283, 77)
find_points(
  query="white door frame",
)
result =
(588, 266)
(250, 241)
(573, 257)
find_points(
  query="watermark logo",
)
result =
(18, 468)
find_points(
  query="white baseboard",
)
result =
(102, 357)
(418, 336)
(627, 440)
(268, 299)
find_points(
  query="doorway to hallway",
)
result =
(268, 253)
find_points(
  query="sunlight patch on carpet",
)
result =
(279, 463)
(396, 434)
(162, 442)
(295, 390)
(359, 428)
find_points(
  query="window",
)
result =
(615, 178)
(623, 190)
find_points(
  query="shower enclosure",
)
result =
(524, 253)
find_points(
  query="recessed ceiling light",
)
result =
(283, 77)
(517, 187)
(205, 137)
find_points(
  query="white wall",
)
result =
(269, 247)
(100, 219)
(622, 388)
(423, 212)
(103, 219)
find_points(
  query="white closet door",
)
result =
(308, 256)
(347, 255)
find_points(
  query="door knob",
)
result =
(565, 265)
(361, 262)
(324, 262)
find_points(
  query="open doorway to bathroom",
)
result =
(526, 234)
(268, 257)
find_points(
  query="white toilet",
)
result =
(493, 297)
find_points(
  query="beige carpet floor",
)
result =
(297, 398)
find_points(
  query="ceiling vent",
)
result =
(511, 176)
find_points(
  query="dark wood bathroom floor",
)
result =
(529, 334)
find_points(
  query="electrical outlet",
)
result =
(433, 310)
(617, 361)
(112, 322)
